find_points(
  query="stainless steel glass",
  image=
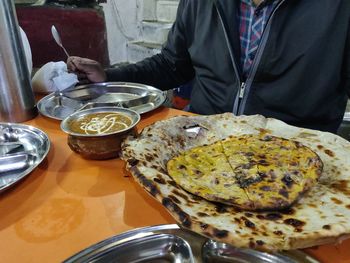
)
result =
(17, 101)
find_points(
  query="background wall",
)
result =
(82, 30)
(137, 28)
(109, 31)
(132, 29)
(122, 26)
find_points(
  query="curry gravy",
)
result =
(100, 123)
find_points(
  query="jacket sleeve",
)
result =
(167, 70)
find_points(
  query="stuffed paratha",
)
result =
(253, 172)
(321, 216)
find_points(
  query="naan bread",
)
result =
(321, 216)
(253, 172)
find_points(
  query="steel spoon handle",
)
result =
(56, 36)
(65, 51)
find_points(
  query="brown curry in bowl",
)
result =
(100, 123)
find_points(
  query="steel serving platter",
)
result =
(22, 149)
(170, 243)
(138, 97)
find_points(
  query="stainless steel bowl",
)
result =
(101, 146)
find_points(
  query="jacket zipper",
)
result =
(256, 61)
(241, 90)
(244, 87)
(239, 99)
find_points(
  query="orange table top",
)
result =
(68, 204)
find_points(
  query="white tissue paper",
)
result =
(53, 76)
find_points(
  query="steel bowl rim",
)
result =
(104, 109)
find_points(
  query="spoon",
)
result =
(58, 39)
(60, 109)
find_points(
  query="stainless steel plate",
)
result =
(22, 149)
(169, 243)
(101, 95)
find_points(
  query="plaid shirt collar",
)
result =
(262, 4)
(252, 22)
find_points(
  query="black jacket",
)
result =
(301, 72)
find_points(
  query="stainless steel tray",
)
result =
(101, 95)
(170, 243)
(22, 149)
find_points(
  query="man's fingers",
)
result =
(70, 66)
(82, 64)
(86, 68)
(88, 65)
(76, 64)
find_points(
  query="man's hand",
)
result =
(86, 69)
